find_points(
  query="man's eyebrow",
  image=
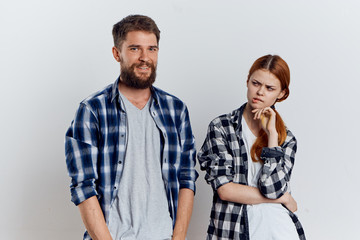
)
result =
(137, 46)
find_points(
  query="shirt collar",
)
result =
(115, 89)
(115, 93)
(236, 117)
(155, 95)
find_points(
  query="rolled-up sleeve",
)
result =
(188, 173)
(81, 153)
(278, 165)
(215, 159)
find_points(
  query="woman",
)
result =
(248, 156)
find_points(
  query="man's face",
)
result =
(138, 59)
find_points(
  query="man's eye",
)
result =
(255, 83)
(153, 49)
(270, 88)
(133, 49)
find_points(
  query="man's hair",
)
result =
(133, 23)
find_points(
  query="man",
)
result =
(130, 150)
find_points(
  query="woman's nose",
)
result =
(260, 91)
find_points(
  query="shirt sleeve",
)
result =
(81, 153)
(188, 174)
(278, 164)
(215, 158)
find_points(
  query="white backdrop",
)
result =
(53, 54)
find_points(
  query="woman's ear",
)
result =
(281, 94)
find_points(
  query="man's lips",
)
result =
(143, 67)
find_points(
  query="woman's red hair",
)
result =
(277, 66)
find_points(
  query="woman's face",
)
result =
(264, 89)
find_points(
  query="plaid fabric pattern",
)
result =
(223, 156)
(95, 147)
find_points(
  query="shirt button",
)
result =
(164, 135)
(120, 162)
(122, 135)
(114, 187)
(153, 113)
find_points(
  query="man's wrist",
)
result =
(179, 237)
(178, 233)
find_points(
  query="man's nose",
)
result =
(144, 56)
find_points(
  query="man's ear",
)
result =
(116, 54)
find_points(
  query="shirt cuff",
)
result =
(80, 194)
(188, 184)
(273, 152)
(221, 180)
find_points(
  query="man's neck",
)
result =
(138, 97)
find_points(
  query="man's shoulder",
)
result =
(98, 97)
(168, 98)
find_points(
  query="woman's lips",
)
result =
(256, 100)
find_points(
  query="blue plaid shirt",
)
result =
(95, 147)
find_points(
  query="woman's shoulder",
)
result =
(221, 120)
(227, 123)
(289, 133)
(290, 137)
(226, 120)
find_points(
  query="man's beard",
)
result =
(129, 78)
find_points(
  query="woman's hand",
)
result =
(289, 202)
(267, 117)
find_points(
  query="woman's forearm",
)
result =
(273, 139)
(240, 193)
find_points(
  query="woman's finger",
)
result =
(259, 113)
(256, 112)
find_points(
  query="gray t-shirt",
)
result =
(140, 211)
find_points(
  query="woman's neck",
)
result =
(254, 125)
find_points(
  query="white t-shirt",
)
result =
(140, 211)
(267, 221)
